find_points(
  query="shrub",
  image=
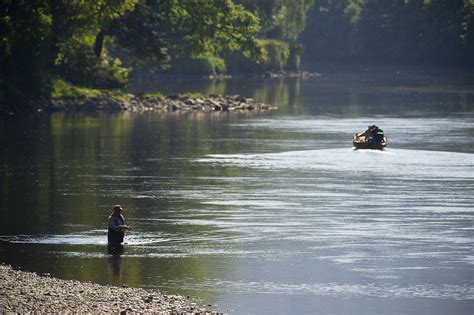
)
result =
(78, 64)
(277, 56)
(61, 88)
(201, 65)
(294, 59)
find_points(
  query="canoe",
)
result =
(360, 142)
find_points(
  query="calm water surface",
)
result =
(259, 213)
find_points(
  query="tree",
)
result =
(467, 35)
(75, 38)
(36, 37)
(281, 19)
(24, 26)
(80, 28)
(392, 31)
(156, 29)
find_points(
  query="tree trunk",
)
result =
(99, 43)
(56, 25)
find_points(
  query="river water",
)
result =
(269, 213)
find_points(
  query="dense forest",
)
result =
(391, 31)
(97, 43)
(49, 43)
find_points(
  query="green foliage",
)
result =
(329, 30)
(280, 19)
(212, 27)
(62, 89)
(24, 54)
(137, 36)
(81, 40)
(80, 25)
(277, 58)
(236, 63)
(156, 32)
(41, 39)
(277, 54)
(193, 94)
(154, 94)
(201, 65)
(409, 31)
(294, 60)
(81, 66)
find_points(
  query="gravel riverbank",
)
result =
(25, 292)
(108, 102)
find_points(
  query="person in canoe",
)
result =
(117, 226)
(374, 135)
(372, 138)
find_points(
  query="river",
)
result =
(259, 213)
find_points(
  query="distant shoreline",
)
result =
(66, 97)
(108, 102)
(25, 292)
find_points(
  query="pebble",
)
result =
(25, 292)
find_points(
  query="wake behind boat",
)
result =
(372, 138)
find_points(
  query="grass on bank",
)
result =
(63, 89)
(154, 94)
(161, 95)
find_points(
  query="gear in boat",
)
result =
(372, 138)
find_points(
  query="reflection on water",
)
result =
(270, 213)
(115, 262)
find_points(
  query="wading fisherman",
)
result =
(117, 227)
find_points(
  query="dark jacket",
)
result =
(115, 234)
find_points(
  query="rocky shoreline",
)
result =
(27, 292)
(137, 103)
(270, 75)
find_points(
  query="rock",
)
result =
(149, 299)
(189, 102)
(174, 96)
(225, 106)
(176, 102)
(173, 107)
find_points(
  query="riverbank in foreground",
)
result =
(25, 292)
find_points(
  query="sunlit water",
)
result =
(257, 215)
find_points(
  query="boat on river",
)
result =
(372, 138)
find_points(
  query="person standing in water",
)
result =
(117, 226)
